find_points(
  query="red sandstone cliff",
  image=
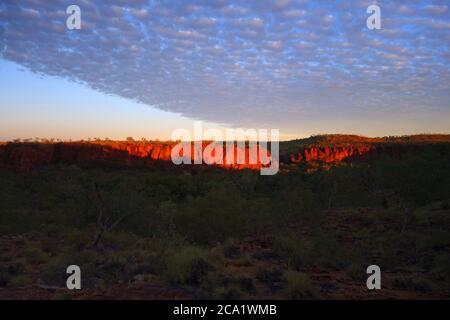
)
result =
(25, 156)
(330, 154)
(336, 148)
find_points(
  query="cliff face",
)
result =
(25, 156)
(331, 154)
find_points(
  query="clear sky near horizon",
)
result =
(145, 68)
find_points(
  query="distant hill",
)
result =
(327, 140)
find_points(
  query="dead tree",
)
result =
(104, 222)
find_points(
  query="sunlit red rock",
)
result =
(331, 154)
(25, 156)
(133, 154)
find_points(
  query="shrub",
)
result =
(79, 240)
(54, 272)
(35, 255)
(413, 284)
(216, 217)
(9, 272)
(118, 240)
(294, 250)
(152, 264)
(20, 281)
(297, 285)
(271, 277)
(328, 252)
(357, 272)
(187, 266)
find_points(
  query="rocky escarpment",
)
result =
(132, 154)
(25, 156)
(336, 148)
(331, 154)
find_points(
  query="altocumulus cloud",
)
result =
(241, 62)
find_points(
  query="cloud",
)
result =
(436, 9)
(241, 63)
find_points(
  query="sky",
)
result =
(144, 68)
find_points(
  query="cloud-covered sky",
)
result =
(243, 63)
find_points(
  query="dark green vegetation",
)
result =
(307, 232)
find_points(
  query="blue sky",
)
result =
(144, 68)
